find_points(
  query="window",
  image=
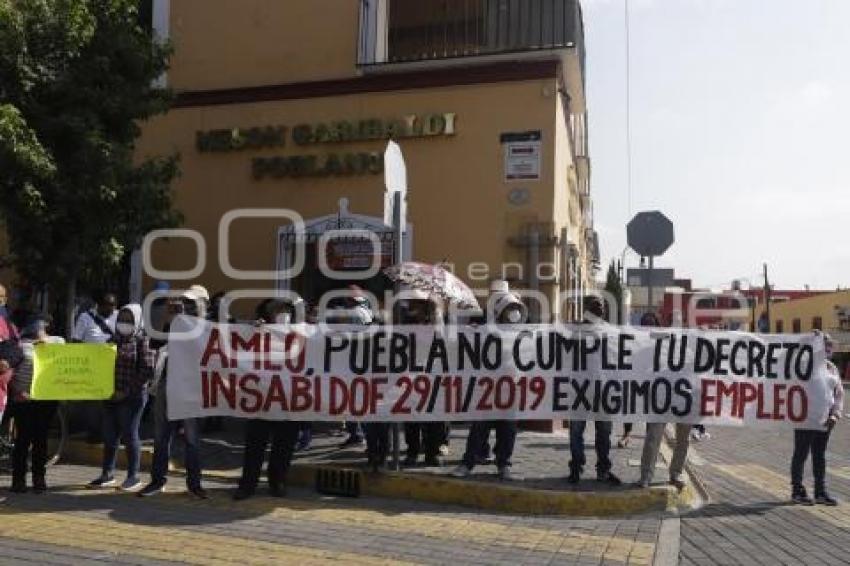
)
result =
(780, 326)
(817, 323)
(795, 326)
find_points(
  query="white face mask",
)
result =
(124, 328)
(514, 316)
(284, 318)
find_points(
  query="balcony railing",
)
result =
(398, 31)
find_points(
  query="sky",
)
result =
(740, 121)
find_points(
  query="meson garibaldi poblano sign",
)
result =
(337, 163)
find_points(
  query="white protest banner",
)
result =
(422, 373)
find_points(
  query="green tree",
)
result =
(76, 79)
(614, 286)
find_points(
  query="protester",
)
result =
(134, 366)
(193, 303)
(32, 418)
(815, 441)
(11, 354)
(602, 443)
(654, 435)
(352, 309)
(284, 434)
(418, 307)
(507, 308)
(96, 326)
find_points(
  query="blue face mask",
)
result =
(4, 311)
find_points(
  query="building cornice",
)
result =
(378, 82)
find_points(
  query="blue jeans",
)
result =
(164, 431)
(602, 444)
(121, 420)
(479, 434)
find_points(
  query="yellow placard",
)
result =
(73, 372)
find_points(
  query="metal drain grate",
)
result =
(338, 482)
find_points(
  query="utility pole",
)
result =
(766, 298)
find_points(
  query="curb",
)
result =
(486, 496)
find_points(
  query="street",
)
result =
(748, 521)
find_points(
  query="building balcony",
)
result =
(394, 32)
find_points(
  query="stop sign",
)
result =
(650, 233)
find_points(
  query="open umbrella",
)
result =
(433, 279)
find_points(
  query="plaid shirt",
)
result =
(133, 366)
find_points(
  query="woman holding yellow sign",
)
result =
(134, 366)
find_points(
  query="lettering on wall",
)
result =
(304, 135)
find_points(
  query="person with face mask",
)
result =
(816, 440)
(414, 308)
(134, 366)
(193, 303)
(32, 418)
(283, 434)
(507, 309)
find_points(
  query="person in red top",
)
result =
(11, 354)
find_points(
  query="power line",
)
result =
(628, 107)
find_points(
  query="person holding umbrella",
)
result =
(418, 307)
(423, 291)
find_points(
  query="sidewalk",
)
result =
(540, 465)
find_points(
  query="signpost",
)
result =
(395, 214)
(650, 234)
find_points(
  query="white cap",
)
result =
(504, 299)
(196, 292)
(499, 286)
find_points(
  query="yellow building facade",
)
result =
(829, 312)
(288, 106)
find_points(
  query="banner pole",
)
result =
(398, 257)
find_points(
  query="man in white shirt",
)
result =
(98, 324)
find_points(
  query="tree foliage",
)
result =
(76, 79)
(614, 286)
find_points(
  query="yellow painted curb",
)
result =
(487, 496)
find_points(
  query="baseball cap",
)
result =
(195, 293)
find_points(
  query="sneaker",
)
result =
(462, 471)
(695, 434)
(825, 499)
(18, 487)
(278, 490)
(241, 494)
(39, 486)
(102, 481)
(642, 484)
(574, 477)
(198, 492)
(678, 483)
(505, 474)
(131, 484)
(609, 478)
(800, 497)
(705, 436)
(623, 442)
(152, 489)
(445, 450)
